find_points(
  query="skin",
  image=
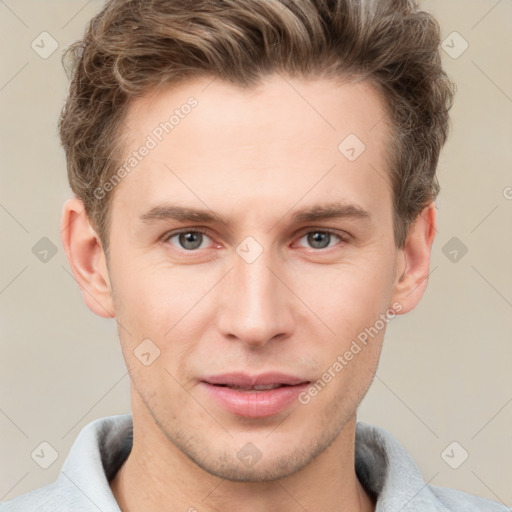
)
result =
(254, 156)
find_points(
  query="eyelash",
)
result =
(343, 239)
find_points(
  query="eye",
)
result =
(320, 239)
(192, 240)
(189, 240)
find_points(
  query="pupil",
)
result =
(316, 239)
(189, 240)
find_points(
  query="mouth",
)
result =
(250, 389)
(246, 382)
(254, 396)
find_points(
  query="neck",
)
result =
(158, 476)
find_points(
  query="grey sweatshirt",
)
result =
(384, 467)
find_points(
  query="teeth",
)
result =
(257, 388)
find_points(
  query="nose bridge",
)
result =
(255, 305)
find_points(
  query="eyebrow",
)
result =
(318, 212)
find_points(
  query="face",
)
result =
(290, 260)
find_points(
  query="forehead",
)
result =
(210, 141)
(304, 108)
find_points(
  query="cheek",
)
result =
(164, 305)
(353, 306)
(154, 340)
(151, 296)
(348, 297)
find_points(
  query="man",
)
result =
(254, 202)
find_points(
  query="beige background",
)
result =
(445, 370)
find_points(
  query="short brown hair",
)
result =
(133, 46)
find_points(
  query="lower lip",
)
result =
(254, 404)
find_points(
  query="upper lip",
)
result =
(246, 380)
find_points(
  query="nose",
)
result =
(256, 305)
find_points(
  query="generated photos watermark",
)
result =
(344, 359)
(152, 140)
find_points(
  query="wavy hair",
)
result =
(134, 46)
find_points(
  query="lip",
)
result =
(253, 404)
(244, 379)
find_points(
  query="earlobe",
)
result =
(86, 258)
(414, 261)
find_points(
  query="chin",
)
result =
(262, 471)
(266, 465)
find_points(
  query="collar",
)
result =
(384, 467)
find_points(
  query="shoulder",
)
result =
(456, 501)
(63, 495)
(30, 501)
(54, 497)
(389, 473)
(83, 481)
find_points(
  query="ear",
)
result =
(86, 258)
(414, 261)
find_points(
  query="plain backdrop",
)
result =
(444, 375)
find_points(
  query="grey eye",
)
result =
(189, 240)
(319, 239)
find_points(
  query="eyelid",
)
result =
(342, 235)
(170, 234)
(193, 229)
(344, 238)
